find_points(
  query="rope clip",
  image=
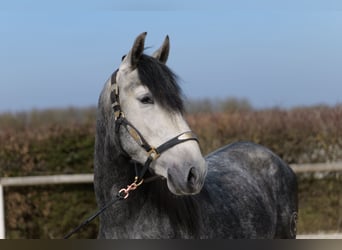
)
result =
(124, 192)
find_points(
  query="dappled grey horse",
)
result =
(145, 151)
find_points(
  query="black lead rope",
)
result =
(118, 197)
(121, 195)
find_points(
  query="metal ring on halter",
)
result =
(153, 154)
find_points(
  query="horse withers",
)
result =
(242, 190)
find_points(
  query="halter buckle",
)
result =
(118, 114)
(153, 154)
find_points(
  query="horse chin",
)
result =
(181, 192)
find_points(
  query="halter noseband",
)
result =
(152, 152)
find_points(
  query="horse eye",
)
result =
(123, 57)
(147, 100)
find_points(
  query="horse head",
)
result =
(147, 100)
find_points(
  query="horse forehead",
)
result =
(128, 80)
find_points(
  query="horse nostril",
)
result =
(192, 176)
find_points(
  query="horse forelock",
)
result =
(162, 83)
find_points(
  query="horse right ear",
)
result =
(162, 53)
(137, 50)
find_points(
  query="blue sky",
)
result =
(60, 55)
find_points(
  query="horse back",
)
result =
(255, 189)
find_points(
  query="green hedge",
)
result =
(49, 212)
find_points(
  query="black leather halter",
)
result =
(152, 152)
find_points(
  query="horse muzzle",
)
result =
(186, 179)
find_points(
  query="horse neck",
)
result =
(117, 169)
(112, 170)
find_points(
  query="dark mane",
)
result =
(162, 83)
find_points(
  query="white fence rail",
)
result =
(88, 178)
(317, 167)
(320, 236)
(46, 180)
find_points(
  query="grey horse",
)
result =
(242, 190)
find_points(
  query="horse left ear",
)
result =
(137, 50)
(162, 53)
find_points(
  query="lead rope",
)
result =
(91, 218)
(121, 195)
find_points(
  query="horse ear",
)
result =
(162, 53)
(137, 50)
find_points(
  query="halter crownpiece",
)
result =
(114, 96)
(152, 152)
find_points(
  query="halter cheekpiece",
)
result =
(152, 152)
